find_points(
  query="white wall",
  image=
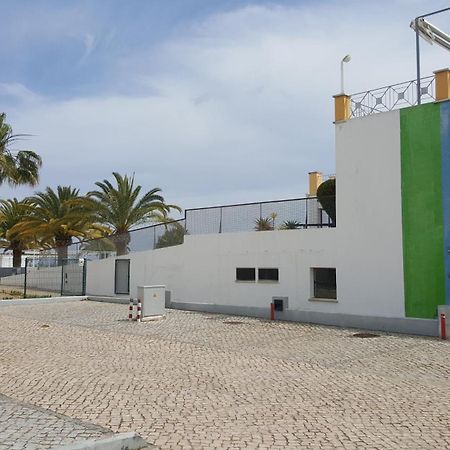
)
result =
(369, 220)
(365, 248)
(203, 269)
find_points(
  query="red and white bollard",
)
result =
(443, 326)
(130, 309)
(139, 311)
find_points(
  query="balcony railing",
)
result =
(391, 97)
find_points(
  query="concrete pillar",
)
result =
(341, 107)
(442, 84)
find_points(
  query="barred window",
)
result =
(245, 274)
(324, 282)
(267, 274)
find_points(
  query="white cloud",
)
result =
(89, 43)
(244, 109)
(18, 93)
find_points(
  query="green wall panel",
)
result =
(422, 210)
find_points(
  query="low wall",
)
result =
(9, 271)
(13, 280)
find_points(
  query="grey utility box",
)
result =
(153, 300)
(444, 310)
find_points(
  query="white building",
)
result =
(384, 266)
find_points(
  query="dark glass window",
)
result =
(245, 274)
(324, 283)
(265, 274)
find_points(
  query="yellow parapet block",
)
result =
(442, 84)
(341, 107)
(315, 180)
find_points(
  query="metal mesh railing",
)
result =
(281, 214)
(391, 97)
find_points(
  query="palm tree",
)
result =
(121, 207)
(273, 216)
(290, 225)
(13, 212)
(263, 224)
(57, 218)
(16, 167)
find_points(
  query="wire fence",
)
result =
(263, 216)
(146, 238)
(47, 276)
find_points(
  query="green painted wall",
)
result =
(422, 210)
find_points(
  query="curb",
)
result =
(41, 301)
(121, 441)
(120, 300)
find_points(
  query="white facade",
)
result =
(369, 215)
(203, 269)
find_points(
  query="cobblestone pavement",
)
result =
(24, 426)
(194, 381)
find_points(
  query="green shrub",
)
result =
(326, 194)
(172, 236)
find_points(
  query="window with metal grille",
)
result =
(267, 274)
(324, 282)
(245, 274)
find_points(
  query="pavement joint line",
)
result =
(121, 441)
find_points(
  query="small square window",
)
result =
(278, 304)
(245, 274)
(265, 274)
(324, 283)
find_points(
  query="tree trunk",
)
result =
(62, 253)
(17, 257)
(121, 242)
(62, 247)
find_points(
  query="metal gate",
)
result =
(50, 276)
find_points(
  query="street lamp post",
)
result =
(345, 59)
(416, 26)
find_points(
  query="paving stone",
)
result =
(25, 426)
(193, 381)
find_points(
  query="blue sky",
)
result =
(215, 101)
